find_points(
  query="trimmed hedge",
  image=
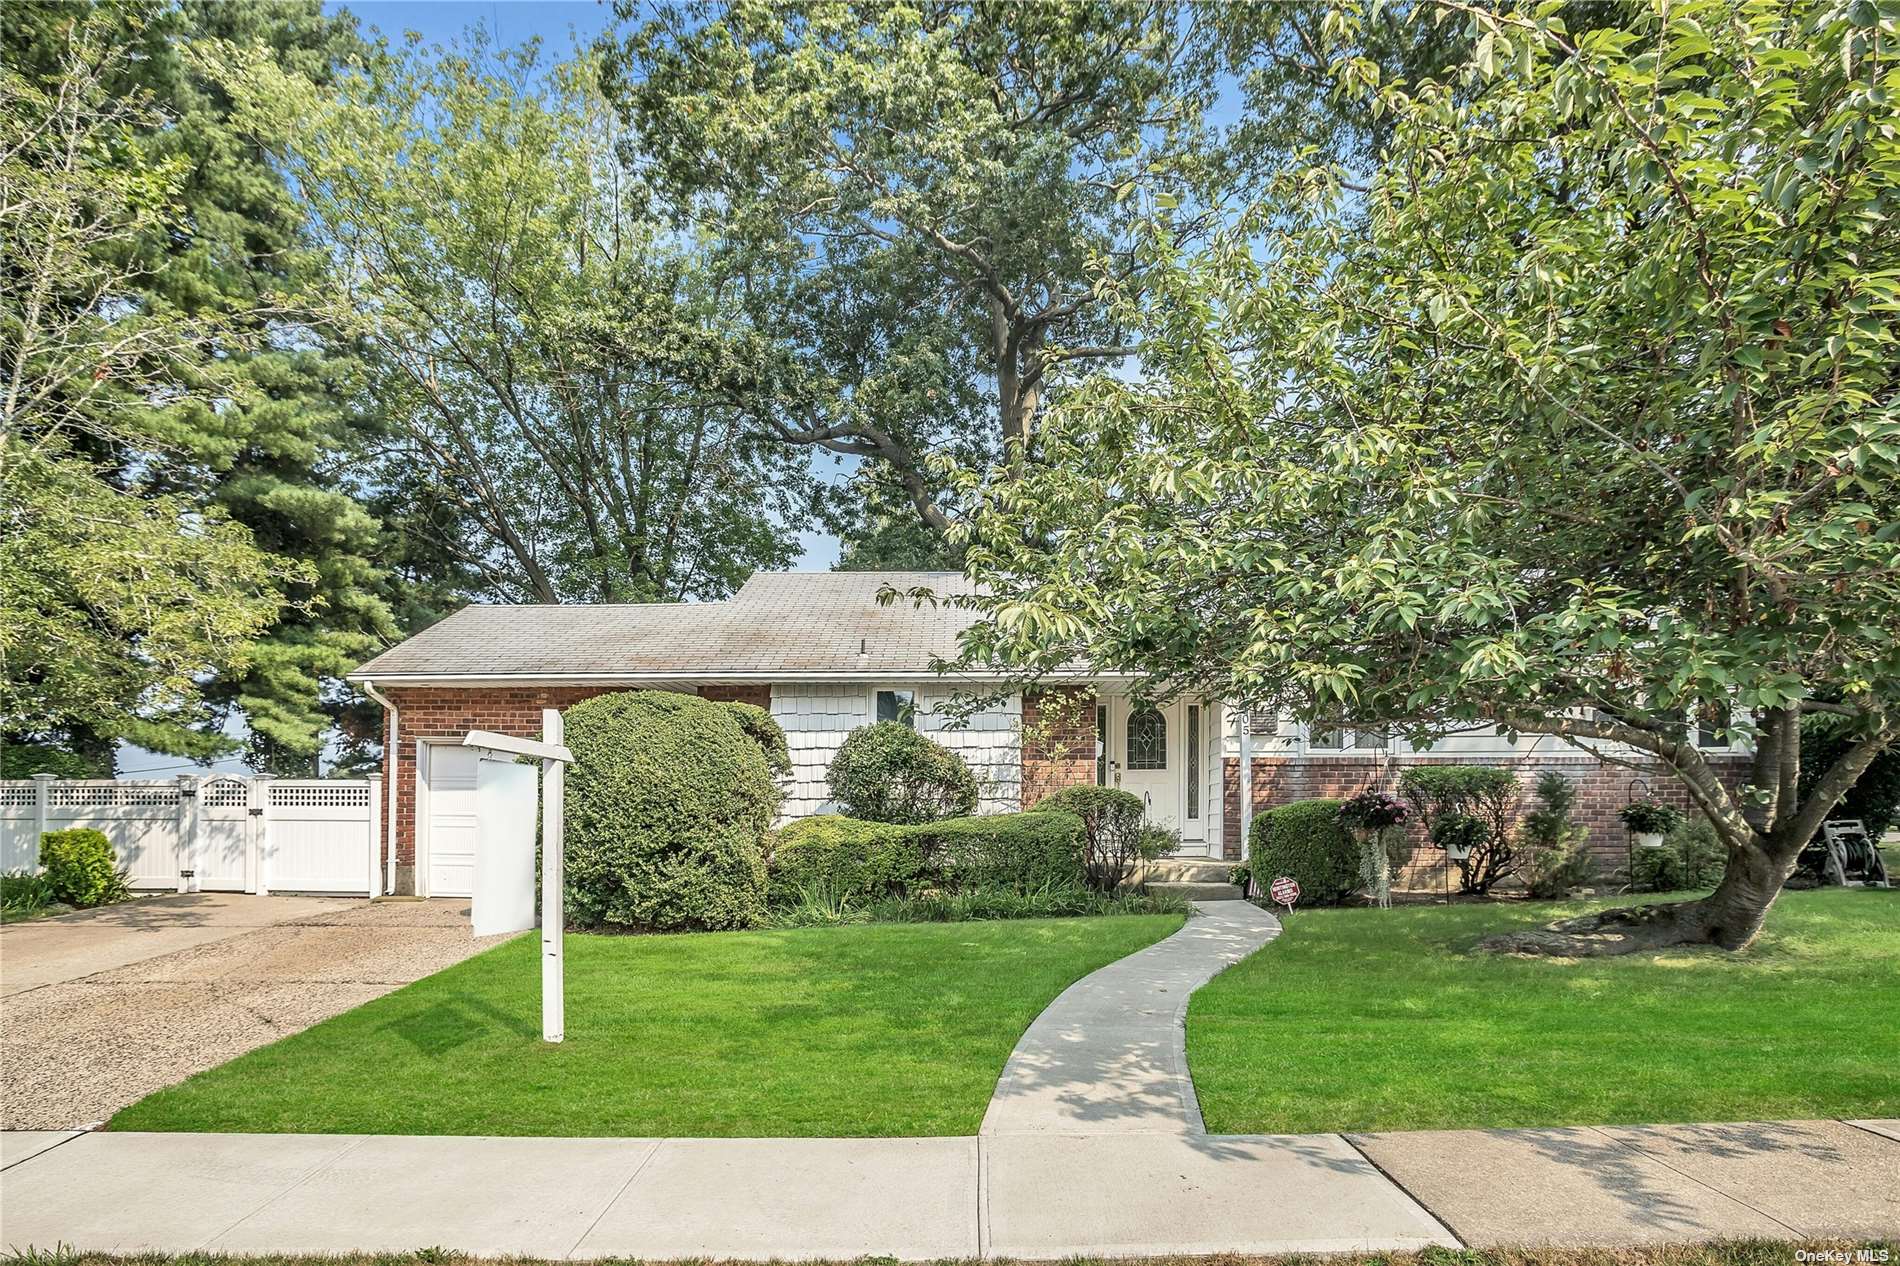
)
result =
(1026, 851)
(890, 773)
(846, 859)
(1305, 840)
(82, 869)
(668, 802)
(851, 861)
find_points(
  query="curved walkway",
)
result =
(1109, 1056)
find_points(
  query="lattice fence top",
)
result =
(13, 795)
(224, 793)
(320, 795)
(93, 795)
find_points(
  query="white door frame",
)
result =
(1197, 838)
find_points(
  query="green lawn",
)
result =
(867, 1030)
(1380, 1020)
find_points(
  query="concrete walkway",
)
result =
(1042, 1196)
(1109, 1056)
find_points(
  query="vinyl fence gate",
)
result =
(221, 833)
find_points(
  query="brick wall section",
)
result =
(1058, 741)
(1602, 791)
(435, 712)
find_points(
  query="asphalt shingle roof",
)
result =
(778, 622)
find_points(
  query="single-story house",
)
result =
(821, 653)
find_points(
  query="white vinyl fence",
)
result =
(218, 834)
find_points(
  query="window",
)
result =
(1325, 737)
(1101, 745)
(1371, 740)
(1194, 761)
(1147, 740)
(897, 705)
(1712, 722)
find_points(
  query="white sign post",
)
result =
(555, 758)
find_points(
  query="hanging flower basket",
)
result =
(1648, 821)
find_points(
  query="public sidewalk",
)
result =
(1031, 1195)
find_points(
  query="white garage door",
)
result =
(450, 771)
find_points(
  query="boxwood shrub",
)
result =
(766, 732)
(668, 803)
(81, 868)
(850, 861)
(890, 773)
(1305, 840)
(843, 859)
(1026, 851)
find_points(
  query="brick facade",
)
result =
(1602, 791)
(445, 712)
(1058, 741)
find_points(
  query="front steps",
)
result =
(1196, 878)
(1198, 892)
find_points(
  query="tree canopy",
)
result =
(552, 363)
(920, 198)
(1582, 420)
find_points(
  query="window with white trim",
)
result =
(1147, 740)
(1194, 761)
(897, 705)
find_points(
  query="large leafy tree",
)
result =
(120, 595)
(273, 448)
(1586, 426)
(919, 198)
(553, 366)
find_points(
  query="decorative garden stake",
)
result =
(555, 758)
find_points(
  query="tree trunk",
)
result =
(1729, 918)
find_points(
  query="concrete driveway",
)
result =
(99, 1009)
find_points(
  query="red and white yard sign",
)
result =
(1285, 891)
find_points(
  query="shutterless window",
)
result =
(1325, 738)
(1370, 740)
(1712, 726)
(897, 705)
(1101, 745)
(1147, 740)
(1194, 761)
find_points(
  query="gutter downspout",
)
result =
(390, 754)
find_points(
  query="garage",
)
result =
(445, 798)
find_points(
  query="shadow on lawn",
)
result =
(453, 1023)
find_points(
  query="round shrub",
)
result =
(81, 868)
(845, 859)
(1304, 839)
(668, 802)
(890, 773)
(766, 732)
(1115, 837)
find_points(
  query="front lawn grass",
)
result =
(866, 1030)
(1385, 1020)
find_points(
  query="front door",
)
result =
(1158, 754)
